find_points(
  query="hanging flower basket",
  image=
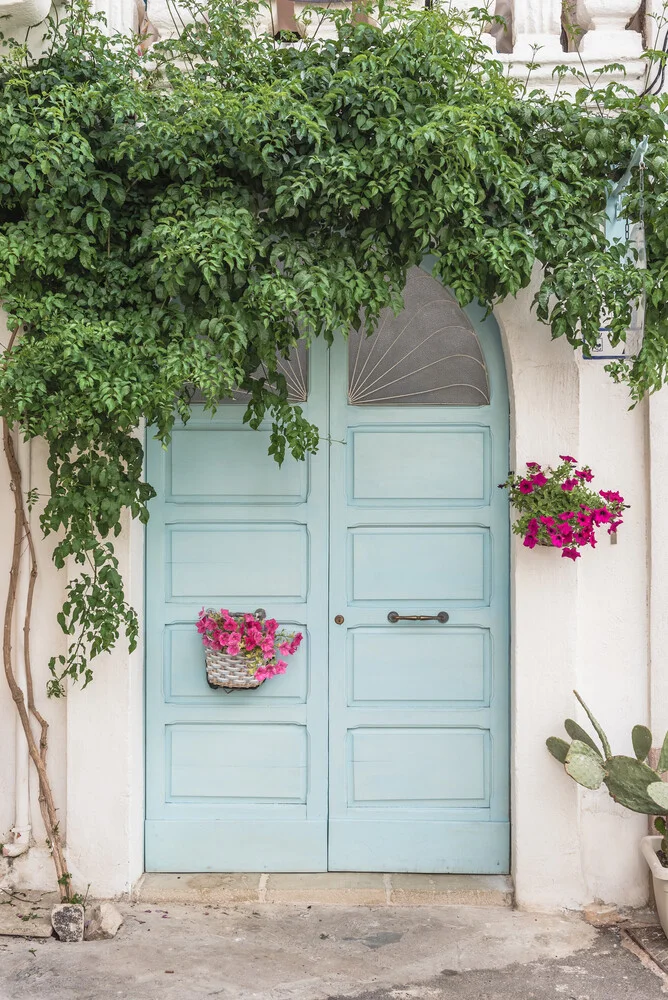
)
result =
(558, 508)
(243, 650)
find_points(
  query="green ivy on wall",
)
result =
(169, 221)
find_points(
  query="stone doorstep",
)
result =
(327, 888)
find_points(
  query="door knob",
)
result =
(339, 619)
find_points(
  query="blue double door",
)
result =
(384, 747)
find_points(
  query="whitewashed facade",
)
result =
(600, 625)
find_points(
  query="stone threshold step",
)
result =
(327, 888)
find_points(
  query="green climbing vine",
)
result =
(170, 221)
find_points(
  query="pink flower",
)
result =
(233, 646)
(533, 465)
(611, 496)
(530, 541)
(614, 525)
(538, 479)
(253, 638)
(602, 516)
(568, 458)
(525, 487)
(570, 554)
(533, 527)
(566, 516)
(584, 519)
(295, 644)
(546, 520)
(585, 474)
(284, 649)
(568, 485)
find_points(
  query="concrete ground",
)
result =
(280, 952)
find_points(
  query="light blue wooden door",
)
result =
(385, 745)
(236, 782)
(419, 709)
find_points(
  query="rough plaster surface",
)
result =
(318, 953)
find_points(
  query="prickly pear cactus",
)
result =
(630, 780)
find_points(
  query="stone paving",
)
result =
(177, 951)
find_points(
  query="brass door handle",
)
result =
(441, 617)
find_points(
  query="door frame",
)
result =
(490, 338)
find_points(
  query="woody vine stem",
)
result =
(25, 702)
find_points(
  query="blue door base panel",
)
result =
(449, 848)
(237, 845)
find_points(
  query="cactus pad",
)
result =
(627, 780)
(584, 765)
(558, 748)
(642, 741)
(658, 793)
(576, 732)
(663, 758)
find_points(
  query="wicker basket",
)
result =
(226, 671)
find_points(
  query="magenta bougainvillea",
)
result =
(558, 507)
(257, 640)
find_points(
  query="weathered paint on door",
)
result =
(385, 745)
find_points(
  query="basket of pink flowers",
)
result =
(557, 507)
(243, 650)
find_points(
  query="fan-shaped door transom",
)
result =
(428, 355)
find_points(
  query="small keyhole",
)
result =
(339, 619)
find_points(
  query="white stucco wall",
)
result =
(581, 625)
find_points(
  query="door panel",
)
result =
(440, 463)
(236, 782)
(454, 669)
(418, 710)
(397, 562)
